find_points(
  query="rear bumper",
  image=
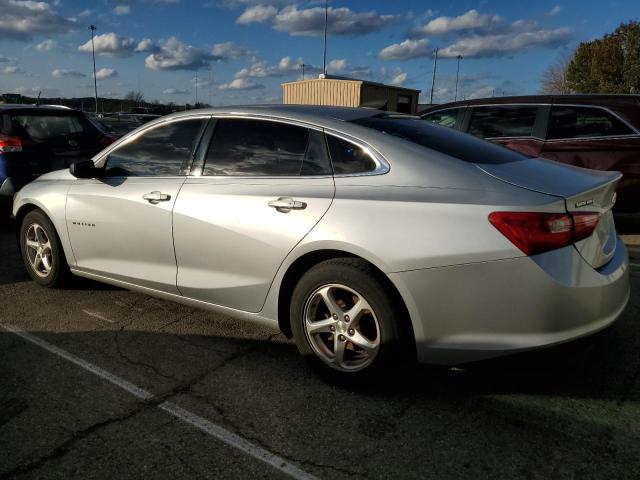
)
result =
(477, 311)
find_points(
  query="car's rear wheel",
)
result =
(41, 250)
(345, 322)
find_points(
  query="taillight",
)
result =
(537, 232)
(107, 139)
(10, 144)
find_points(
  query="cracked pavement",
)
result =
(565, 413)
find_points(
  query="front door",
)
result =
(264, 186)
(120, 225)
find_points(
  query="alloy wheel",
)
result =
(38, 246)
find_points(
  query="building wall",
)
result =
(345, 93)
(372, 93)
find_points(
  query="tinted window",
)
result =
(348, 158)
(445, 140)
(262, 148)
(47, 127)
(161, 151)
(447, 118)
(584, 122)
(503, 121)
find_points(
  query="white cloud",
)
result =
(228, 51)
(555, 11)
(11, 70)
(310, 21)
(398, 78)
(467, 21)
(110, 44)
(406, 49)
(504, 43)
(122, 10)
(45, 46)
(241, 84)
(85, 13)
(145, 45)
(105, 73)
(60, 73)
(175, 91)
(24, 19)
(173, 54)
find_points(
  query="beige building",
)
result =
(349, 92)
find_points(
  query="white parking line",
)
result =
(97, 315)
(186, 416)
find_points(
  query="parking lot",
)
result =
(98, 382)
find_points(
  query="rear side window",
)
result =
(584, 122)
(503, 121)
(451, 117)
(245, 147)
(48, 127)
(445, 140)
(159, 152)
(348, 158)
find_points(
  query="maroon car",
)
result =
(601, 132)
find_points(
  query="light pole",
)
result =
(303, 65)
(459, 57)
(433, 77)
(93, 28)
(326, 22)
(196, 105)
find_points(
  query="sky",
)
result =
(226, 52)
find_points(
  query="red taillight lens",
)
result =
(10, 144)
(107, 139)
(537, 232)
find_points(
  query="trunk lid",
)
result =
(582, 189)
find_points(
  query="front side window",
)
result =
(348, 158)
(452, 117)
(247, 147)
(159, 152)
(503, 121)
(584, 122)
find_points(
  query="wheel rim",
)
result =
(341, 327)
(38, 247)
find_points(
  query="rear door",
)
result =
(518, 127)
(120, 225)
(263, 187)
(593, 137)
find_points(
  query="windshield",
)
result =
(442, 139)
(47, 127)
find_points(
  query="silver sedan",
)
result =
(372, 239)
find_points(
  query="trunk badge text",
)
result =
(584, 203)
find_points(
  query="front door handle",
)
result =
(156, 197)
(286, 204)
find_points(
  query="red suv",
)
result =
(601, 132)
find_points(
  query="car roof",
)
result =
(6, 107)
(574, 99)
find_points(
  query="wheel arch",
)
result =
(302, 264)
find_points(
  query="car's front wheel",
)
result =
(345, 322)
(41, 250)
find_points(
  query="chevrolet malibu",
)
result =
(372, 239)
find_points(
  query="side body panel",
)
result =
(230, 243)
(116, 233)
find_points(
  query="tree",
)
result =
(554, 78)
(608, 65)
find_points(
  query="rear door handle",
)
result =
(286, 204)
(156, 197)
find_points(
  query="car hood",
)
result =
(62, 174)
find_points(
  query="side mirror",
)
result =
(84, 169)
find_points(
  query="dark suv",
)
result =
(35, 140)
(601, 132)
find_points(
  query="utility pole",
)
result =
(433, 77)
(459, 57)
(326, 23)
(196, 105)
(93, 28)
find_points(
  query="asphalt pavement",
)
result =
(98, 382)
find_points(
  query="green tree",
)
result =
(608, 65)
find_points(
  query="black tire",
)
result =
(58, 273)
(394, 350)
